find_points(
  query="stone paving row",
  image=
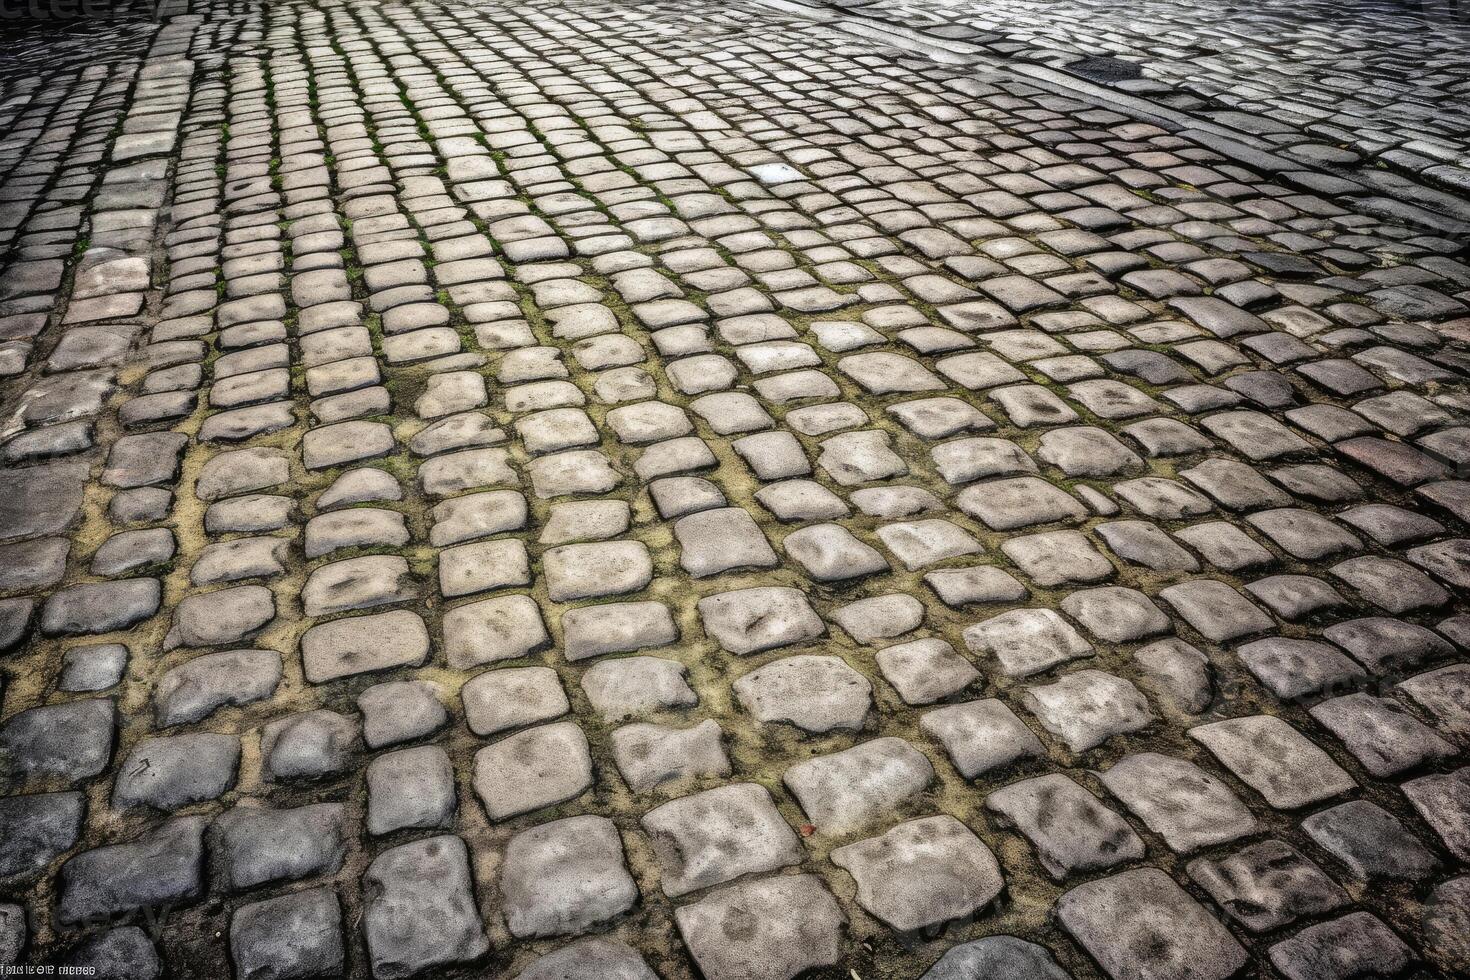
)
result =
(595, 490)
(1349, 84)
(64, 93)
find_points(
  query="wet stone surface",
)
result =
(615, 491)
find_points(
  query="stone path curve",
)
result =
(617, 490)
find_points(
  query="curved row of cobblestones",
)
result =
(1356, 85)
(609, 491)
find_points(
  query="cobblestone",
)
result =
(1331, 84)
(688, 490)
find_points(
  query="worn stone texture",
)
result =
(878, 488)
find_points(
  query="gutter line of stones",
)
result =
(1393, 200)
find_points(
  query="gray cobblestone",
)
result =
(613, 490)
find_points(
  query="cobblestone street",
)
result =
(716, 489)
(1351, 84)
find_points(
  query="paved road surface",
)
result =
(1346, 83)
(616, 490)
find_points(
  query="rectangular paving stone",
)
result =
(364, 644)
